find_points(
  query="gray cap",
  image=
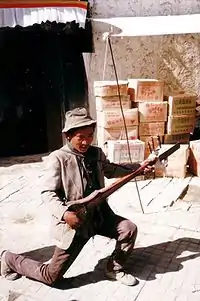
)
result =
(77, 118)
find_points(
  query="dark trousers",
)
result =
(123, 230)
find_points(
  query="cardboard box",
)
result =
(112, 102)
(151, 129)
(110, 88)
(195, 148)
(172, 139)
(103, 135)
(194, 160)
(152, 111)
(181, 156)
(176, 163)
(183, 124)
(194, 168)
(182, 104)
(178, 171)
(114, 118)
(118, 151)
(145, 89)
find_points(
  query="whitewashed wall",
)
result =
(176, 59)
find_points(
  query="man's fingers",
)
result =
(148, 169)
(75, 225)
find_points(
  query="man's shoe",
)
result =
(121, 276)
(5, 270)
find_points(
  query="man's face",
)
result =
(82, 138)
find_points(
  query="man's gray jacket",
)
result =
(63, 183)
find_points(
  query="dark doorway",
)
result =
(42, 75)
(22, 122)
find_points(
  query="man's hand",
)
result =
(71, 218)
(148, 163)
(149, 169)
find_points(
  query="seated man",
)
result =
(75, 171)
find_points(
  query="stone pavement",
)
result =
(166, 260)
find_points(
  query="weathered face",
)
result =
(81, 138)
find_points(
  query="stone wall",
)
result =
(174, 58)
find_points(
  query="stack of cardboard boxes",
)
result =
(147, 96)
(172, 117)
(148, 113)
(180, 123)
(111, 132)
(181, 117)
(109, 118)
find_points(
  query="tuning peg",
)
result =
(150, 149)
(159, 141)
(153, 146)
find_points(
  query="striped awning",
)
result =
(29, 12)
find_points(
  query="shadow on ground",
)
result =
(144, 263)
(42, 254)
(191, 195)
(10, 161)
